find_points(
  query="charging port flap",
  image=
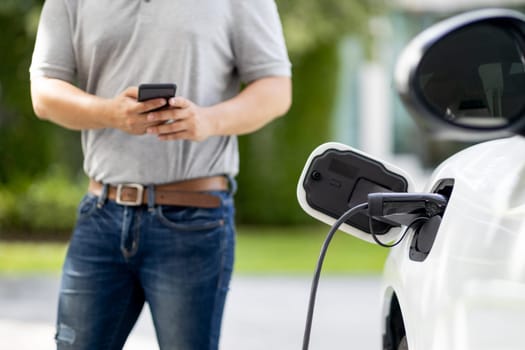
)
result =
(337, 177)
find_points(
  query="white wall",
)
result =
(375, 126)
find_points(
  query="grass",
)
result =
(31, 258)
(277, 250)
(295, 251)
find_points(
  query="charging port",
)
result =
(425, 234)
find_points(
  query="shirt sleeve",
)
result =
(258, 42)
(53, 55)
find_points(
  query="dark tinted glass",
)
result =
(475, 76)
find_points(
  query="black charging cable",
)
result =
(391, 245)
(313, 291)
(398, 209)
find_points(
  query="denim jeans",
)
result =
(177, 259)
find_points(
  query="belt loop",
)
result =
(103, 196)
(151, 198)
(232, 188)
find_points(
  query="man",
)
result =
(156, 225)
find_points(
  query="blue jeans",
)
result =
(177, 259)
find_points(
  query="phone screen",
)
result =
(151, 91)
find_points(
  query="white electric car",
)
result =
(456, 278)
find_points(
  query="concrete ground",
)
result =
(261, 313)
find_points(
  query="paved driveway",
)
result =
(261, 313)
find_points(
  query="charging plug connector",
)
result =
(396, 209)
(401, 209)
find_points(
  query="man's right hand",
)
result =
(66, 105)
(129, 115)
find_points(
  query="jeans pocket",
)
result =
(87, 206)
(190, 219)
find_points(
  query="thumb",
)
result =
(132, 92)
(179, 102)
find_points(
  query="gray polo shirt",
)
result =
(207, 47)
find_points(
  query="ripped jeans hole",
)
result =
(65, 334)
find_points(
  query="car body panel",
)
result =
(476, 268)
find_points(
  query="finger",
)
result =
(165, 129)
(179, 102)
(132, 92)
(136, 124)
(152, 124)
(139, 124)
(169, 114)
(162, 116)
(150, 105)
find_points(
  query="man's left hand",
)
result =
(184, 121)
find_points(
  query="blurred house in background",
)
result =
(368, 114)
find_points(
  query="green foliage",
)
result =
(309, 24)
(272, 158)
(7, 207)
(24, 141)
(18, 7)
(48, 204)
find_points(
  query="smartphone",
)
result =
(152, 91)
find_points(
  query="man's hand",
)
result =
(66, 105)
(184, 120)
(129, 115)
(256, 105)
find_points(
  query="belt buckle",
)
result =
(138, 199)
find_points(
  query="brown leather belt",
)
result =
(188, 193)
